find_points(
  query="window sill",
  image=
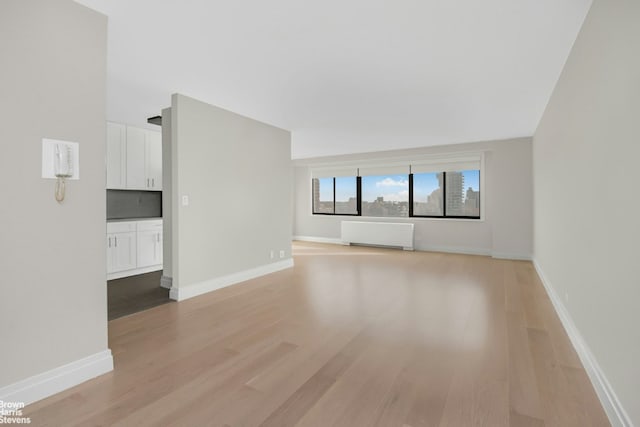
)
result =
(397, 218)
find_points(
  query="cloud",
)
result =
(390, 182)
(401, 196)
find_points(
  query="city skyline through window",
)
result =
(346, 195)
(453, 194)
(385, 195)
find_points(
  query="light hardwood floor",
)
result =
(350, 336)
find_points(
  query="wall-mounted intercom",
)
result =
(60, 161)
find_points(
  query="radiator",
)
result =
(378, 234)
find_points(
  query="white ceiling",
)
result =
(345, 76)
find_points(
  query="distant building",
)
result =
(454, 193)
(472, 203)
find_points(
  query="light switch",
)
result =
(185, 200)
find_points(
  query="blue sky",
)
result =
(391, 187)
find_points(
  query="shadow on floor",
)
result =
(136, 293)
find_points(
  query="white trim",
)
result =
(610, 402)
(399, 218)
(416, 247)
(421, 248)
(515, 257)
(56, 380)
(166, 282)
(382, 158)
(134, 272)
(190, 291)
(333, 241)
(453, 250)
(334, 172)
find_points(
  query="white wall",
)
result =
(586, 153)
(53, 307)
(237, 174)
(505, 229)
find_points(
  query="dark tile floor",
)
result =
(136, 293)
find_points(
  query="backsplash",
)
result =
(125, 204)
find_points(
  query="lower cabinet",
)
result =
(133, 247)
(121, 252)
(149, 243)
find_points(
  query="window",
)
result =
(346, 195)
(463, 194)
(433, 190)
(323, 196)
(385, 195)
(337, 196)
(446, 194)
(427, 194)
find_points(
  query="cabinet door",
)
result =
(116, 156)
(154, 160)
(122, 252)
(136, 174)
(110, 251)
(149, 248)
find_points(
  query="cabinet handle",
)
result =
(147, 182)
(153, 182)
(109, 241)
(116, 240)
(158, 237)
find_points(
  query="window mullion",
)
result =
(444, 194)
(359, 195)
(334, 195)
(410, 195)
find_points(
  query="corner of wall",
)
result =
(612, 405)
(48, 383)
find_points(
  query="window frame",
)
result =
(411, 201)
(385, 175)
(444, 200)
(358, 200)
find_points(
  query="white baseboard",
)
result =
(319, 240)
(56, 380)
(610, 402)
(190, 291)
(166, 282)
(515, 257)
(453, 250)
(134, 272)
(447, 249)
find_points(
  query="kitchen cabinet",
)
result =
(121, 247)
(153, 160)
(149, 243)
(116, 156)
(144, 159)
(133, 247)
(134, 158)
(136, 171)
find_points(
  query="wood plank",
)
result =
(350, 336)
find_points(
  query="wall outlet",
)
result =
(185, 200)
(566, 297)
(281, 254)
(272, 254)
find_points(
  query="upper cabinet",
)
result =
(116, 156)
(136, 149)
(153, 159)
(134, 158)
